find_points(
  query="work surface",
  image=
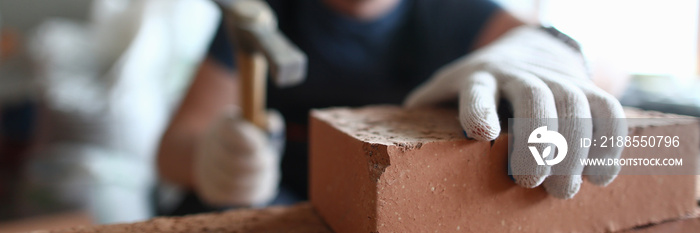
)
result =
(299, 218)
(292, 219)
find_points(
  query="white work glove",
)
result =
(542, 77)
(237, 163)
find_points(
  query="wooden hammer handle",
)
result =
(252, 69)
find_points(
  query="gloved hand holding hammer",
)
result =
(238, 160)
(237, 163)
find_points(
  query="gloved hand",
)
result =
(542, 77)
(237, 163)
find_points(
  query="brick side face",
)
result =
(448, 184)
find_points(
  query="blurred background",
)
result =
(87, 87)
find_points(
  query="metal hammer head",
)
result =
(255, 30)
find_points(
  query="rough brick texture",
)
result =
(299, 218)
(386, 169)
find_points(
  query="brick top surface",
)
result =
(393, 125)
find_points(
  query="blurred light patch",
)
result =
(642, 37)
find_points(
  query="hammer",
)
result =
(259, 43)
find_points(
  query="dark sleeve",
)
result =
(458, 20)
(449, 28)
(479, 14)
(221, 49)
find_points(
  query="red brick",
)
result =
(386, 169)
